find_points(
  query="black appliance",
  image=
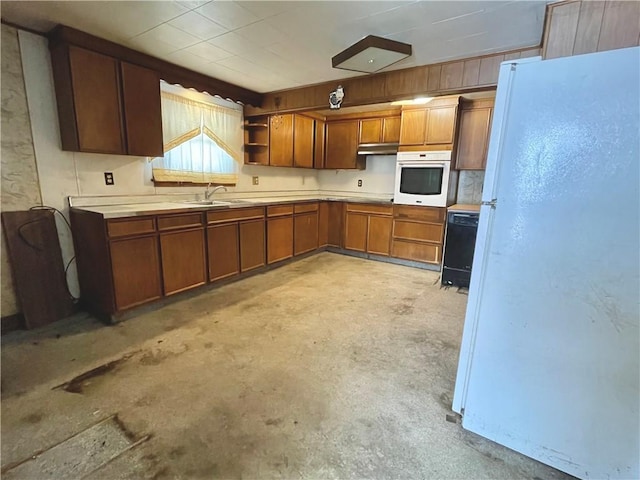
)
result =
(460, 243)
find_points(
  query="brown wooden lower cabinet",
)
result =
(135, 263)
(420, 252)
(323, 224)
(355, 231)
(141, 259)
(379, 235)
(336, 224)
(305, 233)
(222, 245)
(183, 260)
(418, 233)
(368, 228)
(279, 238)
(251, 244)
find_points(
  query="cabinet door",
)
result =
(323, 224)
(413, 126)
(279, 239)
(96, 99)
(441, 124)
(336, 221)
(305, 234)
(251, 244)
(371, 130)
(142, 112)
(222, 246)
(474, 138)
(183, 260)
(419, 252)
(391, 130)
(281, 140)
(319, 145)
(135, 265)
(379, 235)
(342, 144)
(303, 148)
(355, 231)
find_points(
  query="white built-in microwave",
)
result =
(425, 178)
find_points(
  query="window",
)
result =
(202, 140)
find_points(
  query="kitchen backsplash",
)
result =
(470, 186)
(377, 179)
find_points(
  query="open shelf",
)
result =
(256, 140)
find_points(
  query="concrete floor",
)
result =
(329, 367)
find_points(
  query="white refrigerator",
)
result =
(549, 361)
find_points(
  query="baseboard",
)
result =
(11, 323)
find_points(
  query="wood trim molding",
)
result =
(11, 323)
(169, 72)
(448, 78)
(575, 27)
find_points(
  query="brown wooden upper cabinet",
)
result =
(303, 141)
(380, 130)
(473, 137)
(142, 110)
(105, 105)
(319, 144)
(281, 140)
(341, 145)
(291, 141)
(430, 124)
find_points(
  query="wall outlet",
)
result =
(359, 182)
(255, 180)
(108, 178)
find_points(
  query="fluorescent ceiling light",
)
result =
(415, 101)
(371, 54)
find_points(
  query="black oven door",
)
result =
(421, 180)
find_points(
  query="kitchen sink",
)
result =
(213, 203)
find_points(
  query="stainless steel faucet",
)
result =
(208, 194)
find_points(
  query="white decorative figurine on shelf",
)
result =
(335, 97)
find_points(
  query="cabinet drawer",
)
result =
(171, 222)
(233, 214)
(420, 252)
(425, 232)
(423, 214)
(305, 207)
(279, 210)
(369, 208)
(125, 228)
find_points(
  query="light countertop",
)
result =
(464, 207)
(138, 209)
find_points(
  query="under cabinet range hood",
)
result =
(377, 149)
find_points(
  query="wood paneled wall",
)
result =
(576, 27)
(472, 74)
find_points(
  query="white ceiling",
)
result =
(266, 46)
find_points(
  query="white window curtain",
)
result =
(202, 142)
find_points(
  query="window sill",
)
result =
(190, 184)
